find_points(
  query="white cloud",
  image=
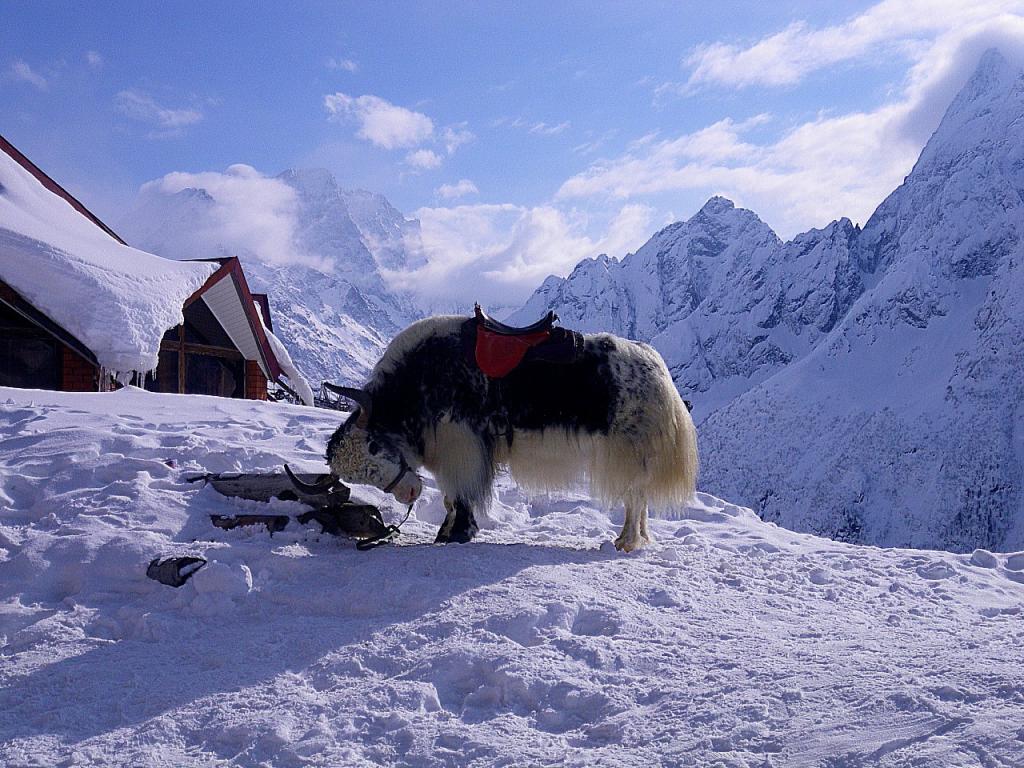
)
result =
(832, 166)
(93, 59)
(543, 129)
(389, 126)
(380, 122)
(500, 253)
(345, 65)
(250, 213)
(460, 189)
(22, 72)
(142, 107)
(425, 159)
(786, 57)
(454, 136)
(540, 128)
(594, 142)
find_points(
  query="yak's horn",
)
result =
(358, 396)
(311, 489)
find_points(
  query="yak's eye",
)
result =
(373, 448)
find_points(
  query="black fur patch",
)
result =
(582, 395)
(432, 381)
(438, 378)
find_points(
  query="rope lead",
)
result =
(390, 532)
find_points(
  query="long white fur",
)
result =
(649, 455)
(454, 455)
(657, 466)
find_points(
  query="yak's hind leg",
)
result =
(459, 526)
(634, 529)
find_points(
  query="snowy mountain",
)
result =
(329, 301)
(729, 641)
(864, 385)
(721, 297)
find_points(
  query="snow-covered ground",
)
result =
(728, 642)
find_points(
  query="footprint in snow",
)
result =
(661, 598)
(820, 576)
(595, 621)
(935, 571)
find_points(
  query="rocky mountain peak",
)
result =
(313, 182)
(970, 172)
(978, 118)
(717, 205)
(196, 194)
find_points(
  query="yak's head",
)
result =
(358, 454)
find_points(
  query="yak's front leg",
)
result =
(459, 524)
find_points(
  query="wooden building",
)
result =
(221, 348)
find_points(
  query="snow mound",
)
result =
(730, 641)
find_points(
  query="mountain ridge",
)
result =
(869, 372)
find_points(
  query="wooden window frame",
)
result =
(184, 348)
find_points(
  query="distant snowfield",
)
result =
(728, 642)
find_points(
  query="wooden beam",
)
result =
(181, 359)
(203, 349)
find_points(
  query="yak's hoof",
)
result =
(461, 536)
(624, 544)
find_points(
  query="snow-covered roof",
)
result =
(227, 295)
(117, 300)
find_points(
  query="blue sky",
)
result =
(525, 136)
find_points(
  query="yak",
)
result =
(611, 416)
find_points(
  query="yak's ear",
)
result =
(358, 396)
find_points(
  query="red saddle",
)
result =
(501, 348)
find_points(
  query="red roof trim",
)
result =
(264, 301)
(232, 266)
(54, 187)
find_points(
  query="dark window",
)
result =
(29, 357)
(213, 365)
(201, 327)
(210, 375)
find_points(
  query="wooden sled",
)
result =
(335, 510)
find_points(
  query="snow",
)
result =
(116, 300)
(295, 379)
(730, 641)
(862, 384)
